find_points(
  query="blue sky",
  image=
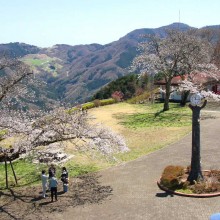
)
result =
(45, 23)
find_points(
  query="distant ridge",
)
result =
(212, 26)
(177, 25)
(77, 72)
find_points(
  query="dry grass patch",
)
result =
(141, 140)
(106, 114)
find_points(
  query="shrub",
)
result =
(216, 174)
(208, 185)
(97, 102)
(93, 104)
(171, 177)
(200, 188)
(143, 97)
(175, 178)
(107, 102)
(88, 105)
(186, 185)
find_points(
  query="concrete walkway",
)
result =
(135, 193)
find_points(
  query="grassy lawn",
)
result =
(26, 172)
(141, 125)
(43, 61)
(153, 117)
(36, 62)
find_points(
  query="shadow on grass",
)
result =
(14, 186)
(158, 119)
(158, 113)
(22, 202)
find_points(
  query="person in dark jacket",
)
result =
(52, 171)
(64, 179)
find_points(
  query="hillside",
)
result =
(77, 72)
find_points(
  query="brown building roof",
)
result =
(198, 78)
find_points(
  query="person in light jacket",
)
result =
(53, 187)
(44, 183)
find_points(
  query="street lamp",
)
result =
(195, 171)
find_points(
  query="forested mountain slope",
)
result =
(76, 72)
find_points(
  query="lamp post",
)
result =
(195, 171)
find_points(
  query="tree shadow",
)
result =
(158, 113)
(22, 202)
(164, 194)
(14, 186)
(2, 210)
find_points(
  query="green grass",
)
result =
(143, 128)
(28, 173)
(80, 169)
(43, 62)
(186, 191)
(154, 117)
(36, 62)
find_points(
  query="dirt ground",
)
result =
(27, 203)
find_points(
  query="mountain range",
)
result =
(75, 73)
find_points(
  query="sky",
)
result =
(45, 23)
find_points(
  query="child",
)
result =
(44, 183)
(53, 187)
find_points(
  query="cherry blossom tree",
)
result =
(217, 54)
(33, 127)
(117, 96)
(178, 54)
(183, 54)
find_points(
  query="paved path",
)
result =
(136, 195)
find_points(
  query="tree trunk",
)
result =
(184, 97)
(6, 173)
(13, 171)
(167, 96)
(195, 171)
